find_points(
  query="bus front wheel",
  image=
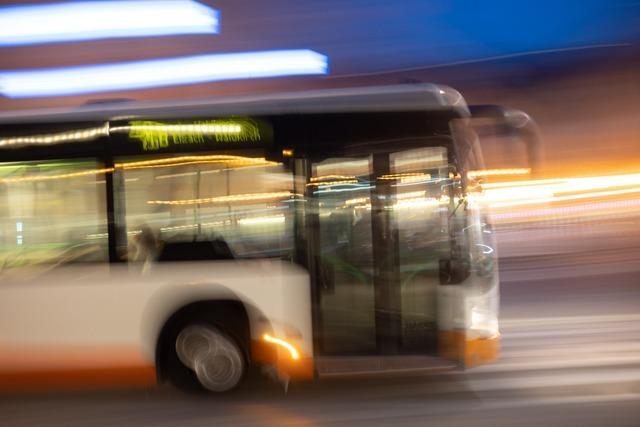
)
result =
(203, 353)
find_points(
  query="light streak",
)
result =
(57, 138)
(410, 195)
(149, 132)
(182, 160)
(330, 183)
(193, 226)
(160, 72)
(573, 184)
(262, 220)
(595, 208)
(406, 175)
(567, 198)
(90, 20)
(498, 172)
(251, 197)
(230, 164)
(354, 187)
(486, 249)
(530, 192)
(282, 343)
(237, 161)
(331, 178)
(356, 201)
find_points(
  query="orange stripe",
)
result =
(456, 345)
(122, 377)
(481, 351)
(30, 367)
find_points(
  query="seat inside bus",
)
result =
(208, 250)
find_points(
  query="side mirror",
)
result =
(508, 122)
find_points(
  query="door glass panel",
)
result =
(420, 216)
(341, 192)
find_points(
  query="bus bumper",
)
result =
(468, 349)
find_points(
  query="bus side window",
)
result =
(243, 200)
(52, 213)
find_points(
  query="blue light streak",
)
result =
(76, 21)
(161, 72)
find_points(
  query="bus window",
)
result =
(243, 201)
(52, 213)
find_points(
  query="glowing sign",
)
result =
(155, 135)
(73, 21)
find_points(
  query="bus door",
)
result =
(377, 227)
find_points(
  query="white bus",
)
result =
(307, 234)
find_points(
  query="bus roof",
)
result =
(407, 97)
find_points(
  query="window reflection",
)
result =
(246, 201)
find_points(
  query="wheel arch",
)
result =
(229, 315)
(213, 303)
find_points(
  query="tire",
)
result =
(204, 358)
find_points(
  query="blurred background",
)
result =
(568, 236)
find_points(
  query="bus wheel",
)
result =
(214, 357)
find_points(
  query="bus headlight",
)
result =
(484, 323)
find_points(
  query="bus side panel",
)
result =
(97, 325)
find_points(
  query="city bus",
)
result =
(306, 234)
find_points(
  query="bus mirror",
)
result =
(453, 271)
(494, 121)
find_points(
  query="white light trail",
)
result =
(161, 72)
(75, 21)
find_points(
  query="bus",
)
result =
(304, 234)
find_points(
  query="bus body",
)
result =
(312, 233)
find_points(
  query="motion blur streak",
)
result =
(262, 220)
(161, 72)
(57, 138)
(498, 172)
(47, 23)
(536, 192)
(176, 161)
(598, 208)
(225, 199)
